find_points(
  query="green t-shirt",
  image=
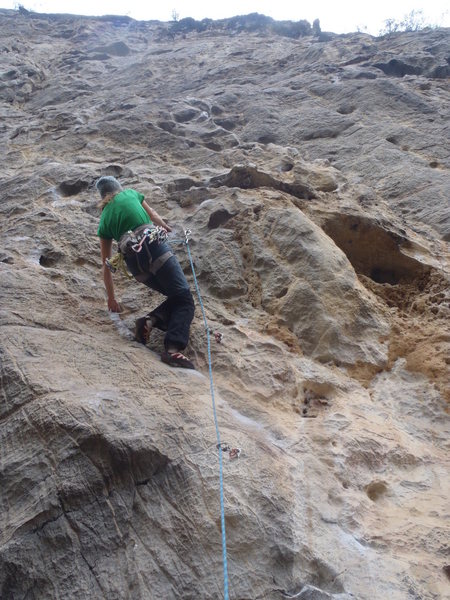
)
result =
(122, 213)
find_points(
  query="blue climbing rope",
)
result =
(219, 444)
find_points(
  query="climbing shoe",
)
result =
(142, 330)
(176, 359)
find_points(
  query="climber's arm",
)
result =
(156, 219)
(106, 250)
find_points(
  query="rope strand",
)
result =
(219, 444)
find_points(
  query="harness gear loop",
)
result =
(153, 234)
(118, 262)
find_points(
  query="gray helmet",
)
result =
(107, 185)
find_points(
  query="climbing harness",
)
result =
(133, 242)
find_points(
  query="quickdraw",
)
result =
(218, 336)
(233, 453)
(154, 234)
(118, 262)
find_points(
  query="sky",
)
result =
(339, 17)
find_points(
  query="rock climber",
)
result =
(127, 218)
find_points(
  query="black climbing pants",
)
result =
(175, 314)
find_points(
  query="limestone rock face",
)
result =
(312, 172)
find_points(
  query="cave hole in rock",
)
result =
(267, 139)
(167, 125)
(346, 109)
(247, 177)
(286, 166)
(183, 116)
(392, 140)
(181, 184)
(73, 187)
(229, 123)
(114, 170)
(372, 250)
(281, 292)
(213, 146)
(398, 68)
(219, 217)
(446, 570)
(376, 490)
(49, 258)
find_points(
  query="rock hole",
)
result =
(441, 72)
(384, 276)
(392, 140)
(114, 49)
(228, 124)
(346, 109)
(446, 570)
(287, 166)
(167, 125)
(434, 164)
(257, 211)
(72, 188)
(267, 139)
(398, 68)
(376, 490)
(118, 171)
(182, 184)
(281, 293)
(12, 74)
(248, 178)
(218, 218)
(49, 258)
(213, 146)
(372, 250)
(183, 116)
